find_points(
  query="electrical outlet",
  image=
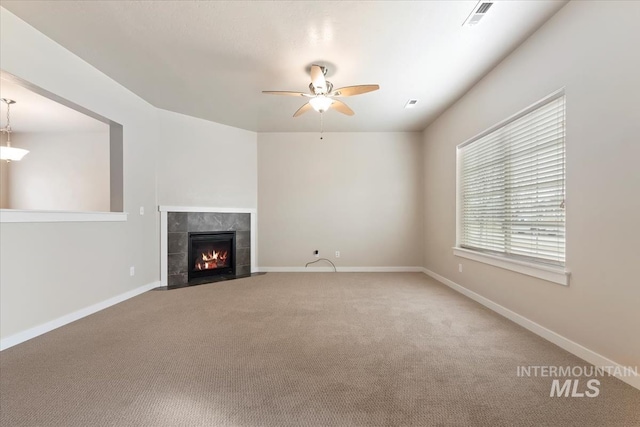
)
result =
(132, 271)
(141, 210)
(337, 254)
(460, 268)
(316, 253)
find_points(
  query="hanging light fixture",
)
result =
(8, 152)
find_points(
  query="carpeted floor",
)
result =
(298, 349)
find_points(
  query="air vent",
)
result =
(411, 103)
(479, 11)
(484, 7)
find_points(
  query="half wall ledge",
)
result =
(15, 215)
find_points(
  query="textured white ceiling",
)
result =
(211, 59)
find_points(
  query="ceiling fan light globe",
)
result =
(12, 153)
(320, 103)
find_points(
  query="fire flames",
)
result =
(211, 259)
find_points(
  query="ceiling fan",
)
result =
(321, 97)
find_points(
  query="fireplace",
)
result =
(180, 262)
(211, 254)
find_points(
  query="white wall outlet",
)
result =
(316, 253)
(460, 267)
(337, 254)
(141, 210)
(132, 271)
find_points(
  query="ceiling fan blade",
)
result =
(318, 80)
(354, 90)
(284, 92)
(306, 107)
(342, 107)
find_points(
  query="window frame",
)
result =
(541, 270)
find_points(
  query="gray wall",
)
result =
(4, 183)
(206, 164)
(88, 262)
(359, 193)
(63, 171)
(591, 49)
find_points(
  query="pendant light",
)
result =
(8, 152)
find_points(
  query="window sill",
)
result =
(557, 275)
(15, 215)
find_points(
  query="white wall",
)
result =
(202, 163)
(86, 263)
(359, 193)
(591, 49)
(63, 171)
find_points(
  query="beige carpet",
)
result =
(323, 349)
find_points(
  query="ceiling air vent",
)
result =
(484, 7)
(411, 103)
(478, 13)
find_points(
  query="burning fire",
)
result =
(211, 260)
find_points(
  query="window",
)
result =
(511, 184)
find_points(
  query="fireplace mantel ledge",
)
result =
(205, 209)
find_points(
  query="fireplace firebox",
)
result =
(211, 254)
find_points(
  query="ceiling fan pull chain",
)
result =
(321, 124)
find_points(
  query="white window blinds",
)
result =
(512, 187)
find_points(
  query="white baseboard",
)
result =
(562, 342)
(329, 269)
(23, 336)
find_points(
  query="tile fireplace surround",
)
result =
(176, 222)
